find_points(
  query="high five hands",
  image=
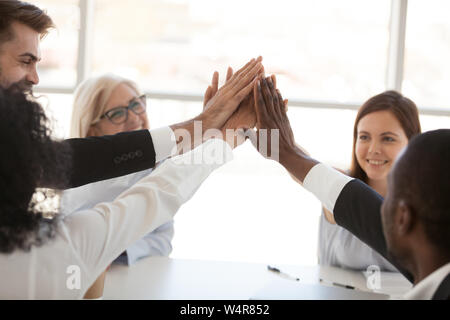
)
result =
(245, 116)
(250, 112)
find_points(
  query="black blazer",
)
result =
(101, 158)
(358, 209)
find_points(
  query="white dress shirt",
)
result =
(87, 241)
(426, 288)
(164, 143)
(155, 243)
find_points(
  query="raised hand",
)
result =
(274, 81)
(214, 87)
(243, 118)
(271, 120)
(219, 105)
(227, 99)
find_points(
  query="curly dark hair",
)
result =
(28, 216)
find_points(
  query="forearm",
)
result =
(188, 135)
(192, 133)
(296, 162)
(100, 158)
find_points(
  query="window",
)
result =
(317, 49)
(427, 63)
(58, 68)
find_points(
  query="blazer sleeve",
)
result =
(102, 233)
(100, 158)
(358, 209)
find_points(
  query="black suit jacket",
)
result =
(101, 158)
(358, 209)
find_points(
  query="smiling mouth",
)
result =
(377, 162)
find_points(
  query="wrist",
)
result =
(288, 155)
(186, 135)
(296, 162)
(205, 119)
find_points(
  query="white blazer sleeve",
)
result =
(101, 234)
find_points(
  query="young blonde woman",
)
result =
(108, 105)
(383, 127)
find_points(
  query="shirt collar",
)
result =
(426, 288)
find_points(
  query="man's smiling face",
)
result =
(19, 56)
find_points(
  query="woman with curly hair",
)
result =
(44, 255)
(28, 151)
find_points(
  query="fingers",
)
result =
(244, 79)
(249, 67)
(274, 80)
(245, 68)
(207, 96)
(215, 83)
(281, 106)
(268, 98)
(241, 95)
(229, 74)
(276, 102)
(257, 97)
(212, 89)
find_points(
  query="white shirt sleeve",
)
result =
(155, 243)
(164, 143)
(326, 184)
(101, 234)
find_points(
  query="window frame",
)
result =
(394, 69)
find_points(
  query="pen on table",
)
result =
(340, 285)
(282, 274)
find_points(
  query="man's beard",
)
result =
(23, 85)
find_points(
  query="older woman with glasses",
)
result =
(107, 105)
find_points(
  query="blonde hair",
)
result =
(90, 101)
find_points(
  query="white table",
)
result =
(162, 278)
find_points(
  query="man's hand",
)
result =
(271, 115)
(222, 103)
(244, 117)
(227, 99)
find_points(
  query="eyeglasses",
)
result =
(120, 114)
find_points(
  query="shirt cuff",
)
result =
(164, 143)
(326, 184)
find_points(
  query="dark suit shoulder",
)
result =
(443, 291)
(358, 209)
